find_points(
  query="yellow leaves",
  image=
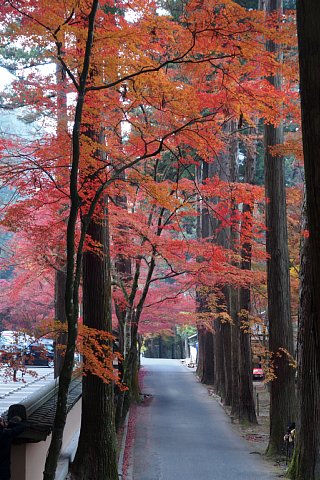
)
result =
(162, 194)
(272, 361)
(224, 317)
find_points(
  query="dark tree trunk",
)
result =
(200, 364)
(96, 453)
(227, 358)
(282, 392)
(130, 376)
(60, 276)
(233, 293)
(124, 274)
(60, 315)
(246, 400)
(123, 270)
(219, 370)
(205, 345)
(235, 350)
(306, 460)
(226, 169)
(205, 368)
(308, 14)
(73, 267)
(131, 361)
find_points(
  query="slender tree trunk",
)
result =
(73, 267)
(306, 460)
(130, 375)
(124, 274)
(60, 276)
(60, 315)
(131, 362)
(130, 371)
(282, 393)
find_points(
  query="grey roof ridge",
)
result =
(40, 409)
(39, 397)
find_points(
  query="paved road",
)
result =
(181, 433)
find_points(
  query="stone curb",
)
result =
(123, 448)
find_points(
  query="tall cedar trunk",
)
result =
(219, 370)
(306, 460)
(233, 305)
(200, 354)
(246, 400)
(97, 460)
(308, 14)
(227, 359)
(282, 393)
(96, 453)
(73, 267)
(235, 350)
(208, 376)
(307, 453)
(225, 168)
(222, 342)
(205, 368)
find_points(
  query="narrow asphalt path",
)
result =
(181, 433)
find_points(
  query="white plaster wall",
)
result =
(28, 460)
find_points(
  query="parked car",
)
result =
(15, 339)
(13, 345)
(40, 353)
(21, 349)
(257, 374)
